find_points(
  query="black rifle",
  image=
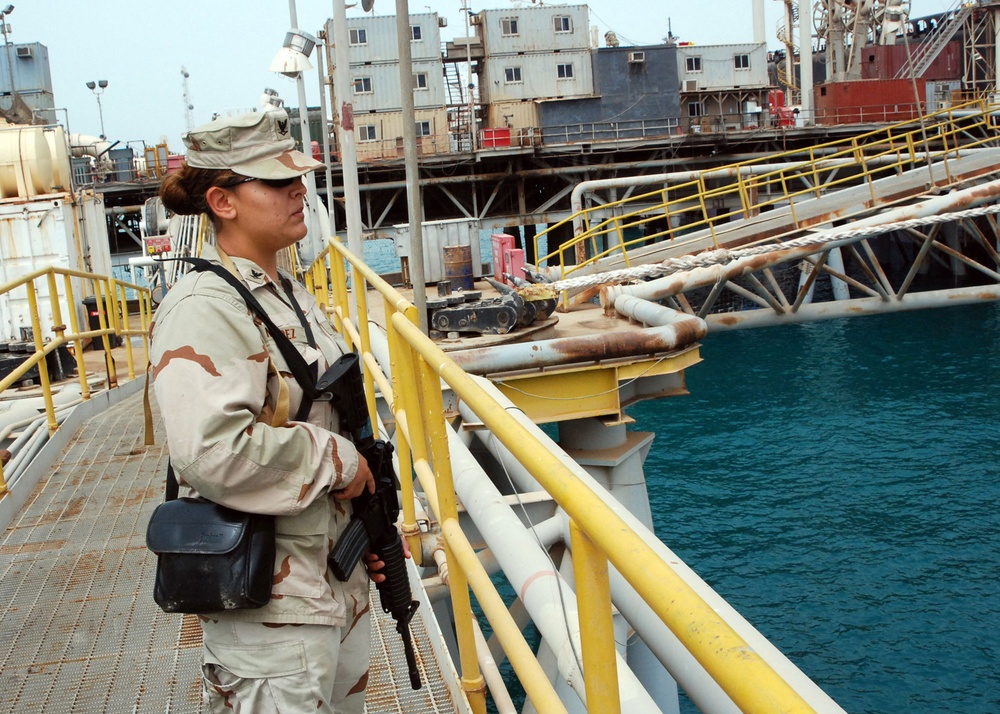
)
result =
(373, 523)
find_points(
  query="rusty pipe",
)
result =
(669, 331)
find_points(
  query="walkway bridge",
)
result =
(898, 218)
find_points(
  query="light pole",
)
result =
(98, 89)
(292, 60)
(10, 60)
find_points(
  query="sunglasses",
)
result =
(270, 183)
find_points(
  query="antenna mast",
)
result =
(188, 106)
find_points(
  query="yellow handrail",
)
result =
(114, 319)
(861, 158)
(599, 535)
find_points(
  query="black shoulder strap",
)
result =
(173, 488)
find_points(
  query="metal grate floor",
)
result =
(79, 630)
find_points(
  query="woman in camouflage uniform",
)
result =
(217, 383)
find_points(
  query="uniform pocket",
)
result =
(302, 542)
(258, 677)
(313, 520)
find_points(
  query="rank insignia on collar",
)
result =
(256, 274)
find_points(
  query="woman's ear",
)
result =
(220, 202)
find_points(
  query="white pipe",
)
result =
(550, 601)
(491, 673)
(808, 104)
(344, 113)
(668, 330)
(85, 145)
(759, 33)
(835, 260)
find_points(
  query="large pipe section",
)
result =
(670, 331)
(690, 675)
(549, 600)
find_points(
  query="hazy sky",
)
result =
(139, 46)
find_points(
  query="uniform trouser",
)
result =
(291, 669)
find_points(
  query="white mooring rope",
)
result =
(722, 255)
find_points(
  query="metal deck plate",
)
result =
(80, 631)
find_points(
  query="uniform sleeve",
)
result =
(211, 371)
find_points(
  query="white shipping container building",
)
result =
(722, 67)
(373, 39)
(376, 87)
(535, 53)
(546, 28)
(540, 76)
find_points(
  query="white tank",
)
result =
(61, 169)
(26, 167)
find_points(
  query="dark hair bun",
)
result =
(180, 194)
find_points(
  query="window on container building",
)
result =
(741, 61)
(367, 132)
(695, 109)
(562, 23)
(693, 64)
(508, 26)
(420, 80)
(511, 74)
(564, 71)
(362, 85)
(416, 34)
(423, 128)
(359, 36)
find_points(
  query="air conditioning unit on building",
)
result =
(474, 19)
(442, 21)
(24, 52)
(690, 85)
(636, 57)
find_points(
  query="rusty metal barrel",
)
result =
(458, 266)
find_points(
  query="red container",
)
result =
(502, 243)
(174, 163)
(493, 138)
(514, 260)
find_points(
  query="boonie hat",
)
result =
(258, 145)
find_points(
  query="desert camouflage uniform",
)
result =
(217, 396)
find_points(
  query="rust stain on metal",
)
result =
(347, 116)
(190, 635)
(33, 547)
(137, 498)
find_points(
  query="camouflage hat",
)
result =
(258, 145)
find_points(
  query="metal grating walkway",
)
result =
(79, 630)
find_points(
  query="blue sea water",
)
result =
(838, 483)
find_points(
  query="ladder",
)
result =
(929, 49)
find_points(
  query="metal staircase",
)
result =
(939, 37)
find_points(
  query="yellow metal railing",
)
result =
(599, 536)
(685, 206)
(114, 319)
